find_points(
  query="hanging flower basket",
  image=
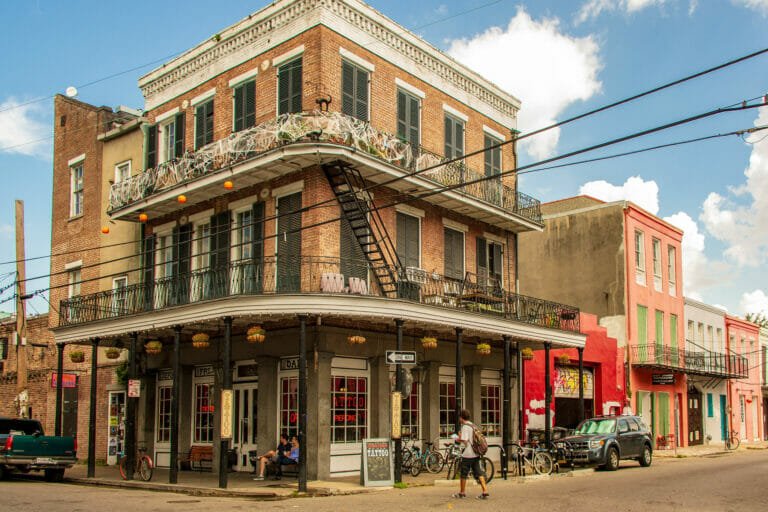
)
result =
(428, 342)
(77, 356)
(527, 353)
(112, 353)
(153, 347)
(484, 349)
(256, 334)
(201, 340)
(356, 339)
(563, 359)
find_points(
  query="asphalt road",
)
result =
(732, 482)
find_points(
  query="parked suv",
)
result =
(605, 440)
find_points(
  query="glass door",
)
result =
(244, 436)
(116, 434)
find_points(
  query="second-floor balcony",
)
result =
(693, 362)
(294, 141)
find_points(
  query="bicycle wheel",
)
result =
(145, 469)
(406, 464)
(121, 465)
(542, 463)
(453, 469)
(416, 465)
(733, 443)
(488, 468)
(434, 462)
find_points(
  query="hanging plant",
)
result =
(356, 339)
(527, 353)
(484, 349)
(563, 359)
(428, 342)
(256, 334)
(77, 356)
(112, 353)
(201, 340)
(153, 347)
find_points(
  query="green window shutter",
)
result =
(673, 331)
(178, 148)
(639, 400)
(495, 263)
(220, 229)
(150, 159)
(208, 138)
(482, 256)
(408, 119)
(659, 327)
(289, 87)
(402, 116)
(454, 253)
(239, 107)
(642, 326)
(250, 103)
(289, 243)
(361, 94)
(258, 231)
(664, 413)
(710, 406)
(199, 126)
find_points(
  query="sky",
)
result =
(560, 58)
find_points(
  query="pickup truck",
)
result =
(24, 448)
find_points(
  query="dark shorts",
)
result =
(473, 464)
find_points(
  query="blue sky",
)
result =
(559, 57)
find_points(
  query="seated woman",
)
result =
(273, 455)
(291, 458)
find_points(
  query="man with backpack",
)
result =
(475, 447)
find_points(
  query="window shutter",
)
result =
(352, 258)
(488, 156)
(401, 242)
(239, 114)
(408, 240)
(414, 122)
(289, 87)
(459, 139)
(347, 89)
(289, 243)
(208, 137)
(283, 92)
(642, 325)
(250, 104)
(448, 137)
(296, 73)
(150, 160)
(454, 252)
(482, 257)
(258, 231)
(149, 271)
(220, 231)
(178, 149)
(402, 131)
(361, 94)
(497, 262)
(199, 126)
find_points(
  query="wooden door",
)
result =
(695, 430)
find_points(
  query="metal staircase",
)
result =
(349, 187)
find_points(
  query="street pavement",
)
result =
(726, 482)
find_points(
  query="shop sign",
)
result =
(165, 374)
(226, 414)
(134, 388)
(289, 363)
(566, 383)
(663, 378)
(68, 380)
(204, 371)
(377, 465)
(247, 371)
(396, 414)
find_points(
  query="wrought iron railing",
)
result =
(316, 275)
(327, 127)
(690, 361)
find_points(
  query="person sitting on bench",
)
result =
(273, 455)
(292, 458)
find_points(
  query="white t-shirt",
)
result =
(467, 433)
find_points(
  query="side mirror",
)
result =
(37, 433)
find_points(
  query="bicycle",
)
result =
(427, 458)
(733, 441)
(535, 459)
(143, 465)
(454, 465)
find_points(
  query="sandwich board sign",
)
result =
(377, 464)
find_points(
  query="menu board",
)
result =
(377, 466)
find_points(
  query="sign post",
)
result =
(396, 421)
(377, 470)
(226, 414)
(401, 357)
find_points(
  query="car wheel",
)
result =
(612, 459)
(646, 457)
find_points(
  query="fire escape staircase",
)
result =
(366, 224)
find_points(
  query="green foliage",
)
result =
(121, 371)
(401, 485)
(758, 318)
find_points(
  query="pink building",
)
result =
(745, 394)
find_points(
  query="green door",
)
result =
(659, 325)
(673, 339)
(664, 414)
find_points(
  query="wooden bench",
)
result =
(199, 458)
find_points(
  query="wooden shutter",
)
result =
(220, 232)
(402, 116)
(482, 257)
(642, 325)
(664, 413)
(178, 148)
(354, 91)
(148, 271)
(250, 103)
(673, 332)
(182, 237)
(408, 240)
(659, 327)
(454, 137)
(289, 243)
(258, 232)
(492, 156)
(353, 263)
(150, 159)
(454, 253)
(289, 87)
(239, 105)
(408, 118)
(361, 94)
(204, 124)
(496, 262)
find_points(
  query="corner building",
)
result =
(291, 191)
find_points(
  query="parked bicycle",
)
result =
(733, 441)
(428, 459)
(530, 458)
(454, 464)
(143, 466)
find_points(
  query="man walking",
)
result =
(470, 460)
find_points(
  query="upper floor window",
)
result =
(74, 278)
(165, 140)
(671, 272)
(122, 171)
(76, 201)
(203, 124)
(454, 137)
(492, 156)
(691, 330)
(202, 244)
(408, 240)
(244, 106)
(408, 125)
(489, 263)
(3, 348)
(354, 91)
(243, 235)
(639, 257)
(289, 90)
(657, 264)
(454, 253)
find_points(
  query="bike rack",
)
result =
(503, 452)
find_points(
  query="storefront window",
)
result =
(289, 405)
(490, 410)
(409, 416)
(203, 413)
(164, 414)
(447, 408)
(349, 418)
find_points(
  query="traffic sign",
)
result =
(401, 357)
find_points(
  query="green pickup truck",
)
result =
(24, 448)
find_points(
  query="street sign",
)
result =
(663, 378)
(226, 414)
(401, 357)
(134, 388)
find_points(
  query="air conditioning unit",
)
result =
(416, 275)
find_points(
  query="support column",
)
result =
(173, 474)
(459, 333)
(399, 387)
(581, 383)
(506, 426)
(521, 391)
(92, 411)
(130, 410)
(226, 367)
(303, 403)
(59, 387)
(547, 395)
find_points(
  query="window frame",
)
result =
(160, 411)
(488, 141)
(198, 383)
(74, 281)
(251, 80)
(77, 189)
(360, 430)
(201, 107)
(487, 413)
(119, 175)
(285, 65)
(292, 406)
(657, 267)
(640, 276)
(672, 269)
(119, 298)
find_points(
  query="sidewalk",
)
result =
(707, 450)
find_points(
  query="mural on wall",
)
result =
(566, 383)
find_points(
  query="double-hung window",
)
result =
(119, 297)
(354, 91)
(76, 201)
(671, 272)
(203, 124)
(657, 264)
(244, 105)
(74, 278)
(492, 156)
(289, 90)
(408, 122)
(640, 258)
(165, 140)
(122, 171)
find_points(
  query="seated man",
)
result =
(273, 455)
(289, 458)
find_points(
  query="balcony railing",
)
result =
(689, 361)
(316, 275)
(327, 127)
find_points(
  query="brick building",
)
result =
(289, 195)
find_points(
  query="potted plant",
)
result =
(201, 340)
(484, 349)
(356, 339)
(563, 359)
(153, 347)
(77, 356)
(112, 353)
(527, 354)
(256, 334)
(429, 342)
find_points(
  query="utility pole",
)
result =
(22, 396)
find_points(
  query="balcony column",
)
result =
(547, 394)
(521, 394)
(506, 430)
(303, 403)
(581, 383)
(459, 333)
(59, 387)
(130, 409)
(226, 387)
(92, 410)
(173, 474)
(399, 387)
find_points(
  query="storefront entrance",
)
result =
(695, 431)
(116, 422)
(244, 440)
(566, 391)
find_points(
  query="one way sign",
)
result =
(401, 357)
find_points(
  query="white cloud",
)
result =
(643, 193)
(754, 302)
(740, 218)
(760, 6)
(594, 8)
(20, 125)
(550, 71)
(692, 6)
(6, 230)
